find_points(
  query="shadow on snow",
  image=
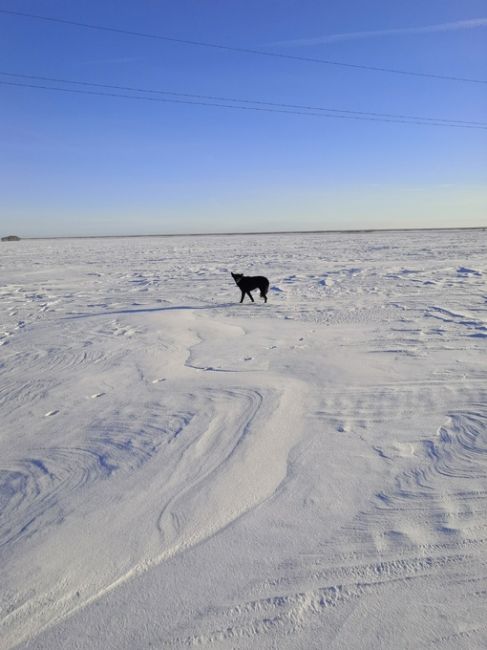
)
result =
(151, 309)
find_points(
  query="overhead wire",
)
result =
(243, 50)
(266, 109)
(238, 100)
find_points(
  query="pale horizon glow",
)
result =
(372, 207)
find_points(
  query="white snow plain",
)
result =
(177, 469)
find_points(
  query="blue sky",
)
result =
(74, 164)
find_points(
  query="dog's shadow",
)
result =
(148, 310)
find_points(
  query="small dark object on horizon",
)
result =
(246, 284)
(11, 238)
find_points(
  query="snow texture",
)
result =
(179, 470)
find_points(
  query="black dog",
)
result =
(247, 284)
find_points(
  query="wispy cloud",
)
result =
(459, 25)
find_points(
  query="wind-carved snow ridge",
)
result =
(33, 490)
(451, 479)
(242, 427)
(211, 454)
(179, 470)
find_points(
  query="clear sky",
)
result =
(81, 164)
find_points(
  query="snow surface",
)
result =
(177, 469)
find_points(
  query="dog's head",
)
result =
(237, 277)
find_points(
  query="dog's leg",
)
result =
(243, 296)
(250, 296)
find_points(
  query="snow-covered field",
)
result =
(178, 469)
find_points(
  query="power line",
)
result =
(303, 107)
(244, 108)
(242, 50)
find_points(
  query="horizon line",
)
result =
(255, 232)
